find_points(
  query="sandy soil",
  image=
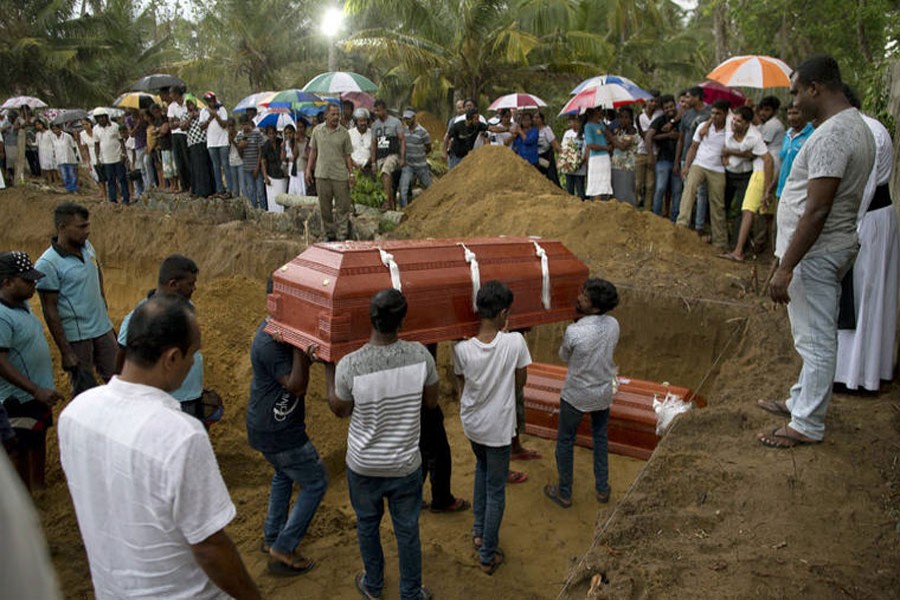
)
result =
(712, 514)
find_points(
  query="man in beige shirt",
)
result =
(329, 160)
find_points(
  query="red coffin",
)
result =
(632, 420)
(322, 296)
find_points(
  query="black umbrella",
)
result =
(68, 115)
(158, 81)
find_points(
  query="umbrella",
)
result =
(752, 71)
(338, 82)
(136, 100)
(278, 120)
(360, 99)
(294, 100)
(609, 95)
(257, 101)
(713, 90)
(18, 101)
(69, 115)
(519, 101)
(599, 80)
(157, 81)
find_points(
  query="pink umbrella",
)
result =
(610, 95)
(520, 101)
(713, 90)
(360, 99)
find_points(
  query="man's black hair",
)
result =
(160, 323)
(245, 118)
(380, 103)
(347, 103)
(473, 112)
(666, 98)
(822, 69)
(603, 295)
(176, 267)
(722, 105)
(852, 97)
(696, 91)
(770, 101)
(63, 213)
(746, 113)
(627, 109)
(387, 310)
(493, 297)
(177, 89)
(654, 92)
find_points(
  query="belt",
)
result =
(881, 199)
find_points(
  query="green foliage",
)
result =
(367, 191)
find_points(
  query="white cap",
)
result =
(100, 112)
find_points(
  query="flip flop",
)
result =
(282, 569)
(552, 492)
(360, 580)
(784, 440)
(491, 567)
(776, 407)
(458, 505)
(526, 454)
(516, 477)
(730, 256)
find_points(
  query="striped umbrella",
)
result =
(294, 100)
(18, 101)
(610, 95)
(257, 101)
(752, 71)
(338, 82)
(520, 101)
(626, 83)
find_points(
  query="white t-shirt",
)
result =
(643, 125)
(65, 152)
(362, 146)
(487, 407)
(110, 143)
(216, 135)
(88, 140)
(145, 485)
(709, 152)
(752, 142)
(179, 113)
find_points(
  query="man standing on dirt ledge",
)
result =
(329, 158)
(72, 298)
(816, 242)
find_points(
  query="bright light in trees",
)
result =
(332, 22)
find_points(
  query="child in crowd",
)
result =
(491, 369)
(588, 347)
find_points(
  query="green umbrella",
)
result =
(338, 82)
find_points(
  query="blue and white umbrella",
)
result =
(628, 85)
(257, 101)
(278, 120)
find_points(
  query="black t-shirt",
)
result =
(276, 418)
(271, 153)
(163, 141)
(666, 147)
(463, 136)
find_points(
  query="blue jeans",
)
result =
(69, 177)
(575, 185)
(304, 467)
(404, 496)
(489, 496)
(219, 159)
(569, 419)
(702, 207)
(452, 161)
(254, 189)
(406, 178)
(233, 176)
(116, 172)
(665, 179)
(815, 291)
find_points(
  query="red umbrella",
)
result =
(360, 99)
(520, 101)
(713, 90)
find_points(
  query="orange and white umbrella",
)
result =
(752, 71)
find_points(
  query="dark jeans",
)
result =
(569, 419)
(34, 162)
(575, 185)
(404, 496)
(182, 160)
(436, 458)
(304, 467)
(113, 173)
(489, 496)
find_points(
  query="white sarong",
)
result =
(279, 186)
(599, 176)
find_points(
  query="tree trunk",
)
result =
(20, 159)
(861, 31)
(720, 30)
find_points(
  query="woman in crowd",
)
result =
(89, 153)
(571, 157)
(44, 141)
(272, 168)
(625, 142)
(295, 151)
(525, 140)
(234, 159)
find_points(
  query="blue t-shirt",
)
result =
(790, 148)
(22, 336)
(192, 386)
(276, 418)
(528, 148)
(82, 309)
(595, 133)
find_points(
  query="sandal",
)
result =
(477, 540)
(526, 454)
(298, 566)
(603, 497)
(360, 580)
(458, 505)
(776, 407)
(491, 567)
(783, 438)
(516, 477)
(552, 492)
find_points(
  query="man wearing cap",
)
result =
(27, 393)
(418, 147)
(361, 139)
(214, 118)
(110, 150)
(72, 297)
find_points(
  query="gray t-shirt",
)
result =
(841, 147)
(689, 123)
(387, 136)
(385, 384)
